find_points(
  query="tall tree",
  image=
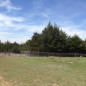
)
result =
(34, 43)
(53, 39)
(15, 48)
(7, 46)
(76, 44)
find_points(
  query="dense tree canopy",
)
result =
(52, 39)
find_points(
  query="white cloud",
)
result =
(18, 39)
(36, 28)
(45, 15)
(8, 5)
(71, 30)
(5, 33)
(7, 21)
(10, 18)
(11, 27)
(16, 22)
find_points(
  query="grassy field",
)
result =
(43, 71)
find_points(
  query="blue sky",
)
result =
(19, 19)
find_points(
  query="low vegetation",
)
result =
(43, 71)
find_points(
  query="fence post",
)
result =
(38, 53)
(30, 53)
(75, 54)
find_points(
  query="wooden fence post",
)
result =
(75, 54)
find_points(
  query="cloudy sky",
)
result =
(19, 19)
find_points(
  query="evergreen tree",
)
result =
(34, 43)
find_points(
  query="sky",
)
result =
(19, 19)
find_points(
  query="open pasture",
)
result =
(43, 71)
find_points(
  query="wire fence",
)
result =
(38, 54)
(41, 54)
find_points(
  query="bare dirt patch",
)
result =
(4, 83)
(51, 85)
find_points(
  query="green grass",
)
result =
(44, 71)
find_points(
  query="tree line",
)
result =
(51, 39)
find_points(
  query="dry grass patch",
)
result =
(4, 83)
